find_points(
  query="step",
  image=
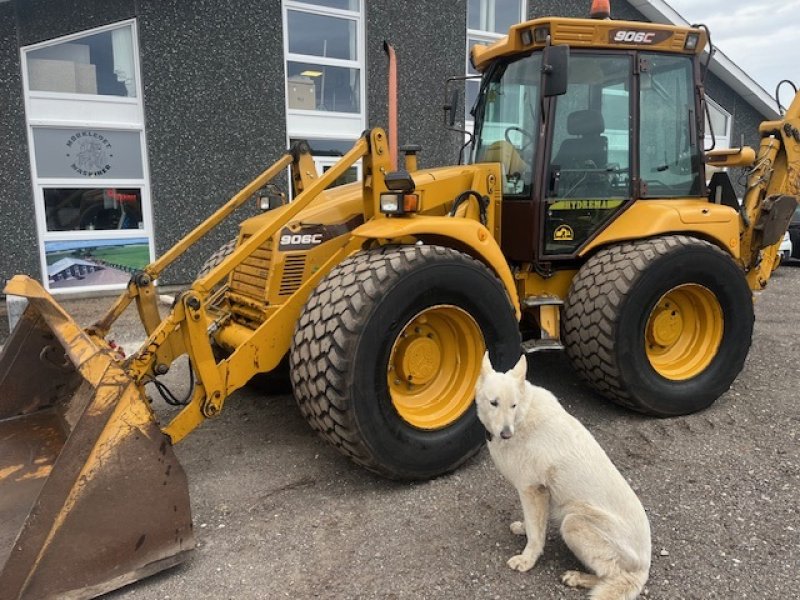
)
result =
(542, 300)
(531, 346)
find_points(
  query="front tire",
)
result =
(662, 325)
(388, 349)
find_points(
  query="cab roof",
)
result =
(591, 33)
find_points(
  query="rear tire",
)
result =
(387, 351)
(662, 326)
(216, 259)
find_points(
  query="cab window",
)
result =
(508, 130)
(669, 155)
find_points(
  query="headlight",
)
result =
(393, 203)
(691, 41)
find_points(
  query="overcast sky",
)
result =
(761, 36)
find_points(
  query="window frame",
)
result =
(717, 135)
(67, 111)
(104, 98)
(307, 124)
(346, 124)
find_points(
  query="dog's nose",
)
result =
(506, 433)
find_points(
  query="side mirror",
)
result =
(555, 66)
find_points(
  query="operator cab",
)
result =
(625, 129)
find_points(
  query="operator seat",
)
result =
(583, 159)
(590, 148)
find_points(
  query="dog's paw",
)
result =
(576, 579)
(572, 578)
(517, 528)
(521, 563)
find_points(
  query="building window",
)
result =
(98, 64)
(495, 16)
(88, 158)
(487, 22)
(324, 52)
(721, 122)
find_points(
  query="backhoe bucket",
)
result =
(92, 496)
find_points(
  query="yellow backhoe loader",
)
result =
(582, 220)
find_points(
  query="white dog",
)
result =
(562, 473)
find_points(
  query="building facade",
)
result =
(126, 122)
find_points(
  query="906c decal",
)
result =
(638, 36)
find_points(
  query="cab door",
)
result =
(588, 158)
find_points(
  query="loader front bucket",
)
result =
(92, 496)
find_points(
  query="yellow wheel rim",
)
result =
(434, 365)
(684, 332)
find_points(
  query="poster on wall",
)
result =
(91, 263)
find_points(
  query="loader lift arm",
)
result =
(186, 329)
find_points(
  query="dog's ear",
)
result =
(520, 369)
(486, 365)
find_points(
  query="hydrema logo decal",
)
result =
(563, 233)
(638, 36)
(90, 152)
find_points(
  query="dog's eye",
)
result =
(494, 403)
(513, 406)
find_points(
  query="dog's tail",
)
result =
(621, 586)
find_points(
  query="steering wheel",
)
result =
(527, 137)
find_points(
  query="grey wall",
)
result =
(41, 20)
(17, 235)
(214, 107)
(430, 40)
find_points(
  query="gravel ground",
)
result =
(278, 513)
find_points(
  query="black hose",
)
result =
(781, 109)
(483, 204)
(167, 395)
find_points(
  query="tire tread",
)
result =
(326, 334)
(595, 304)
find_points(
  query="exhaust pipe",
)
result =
(392, 102)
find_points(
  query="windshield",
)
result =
(507, 125)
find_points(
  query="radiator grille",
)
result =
(293, 270)
(250, 277)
